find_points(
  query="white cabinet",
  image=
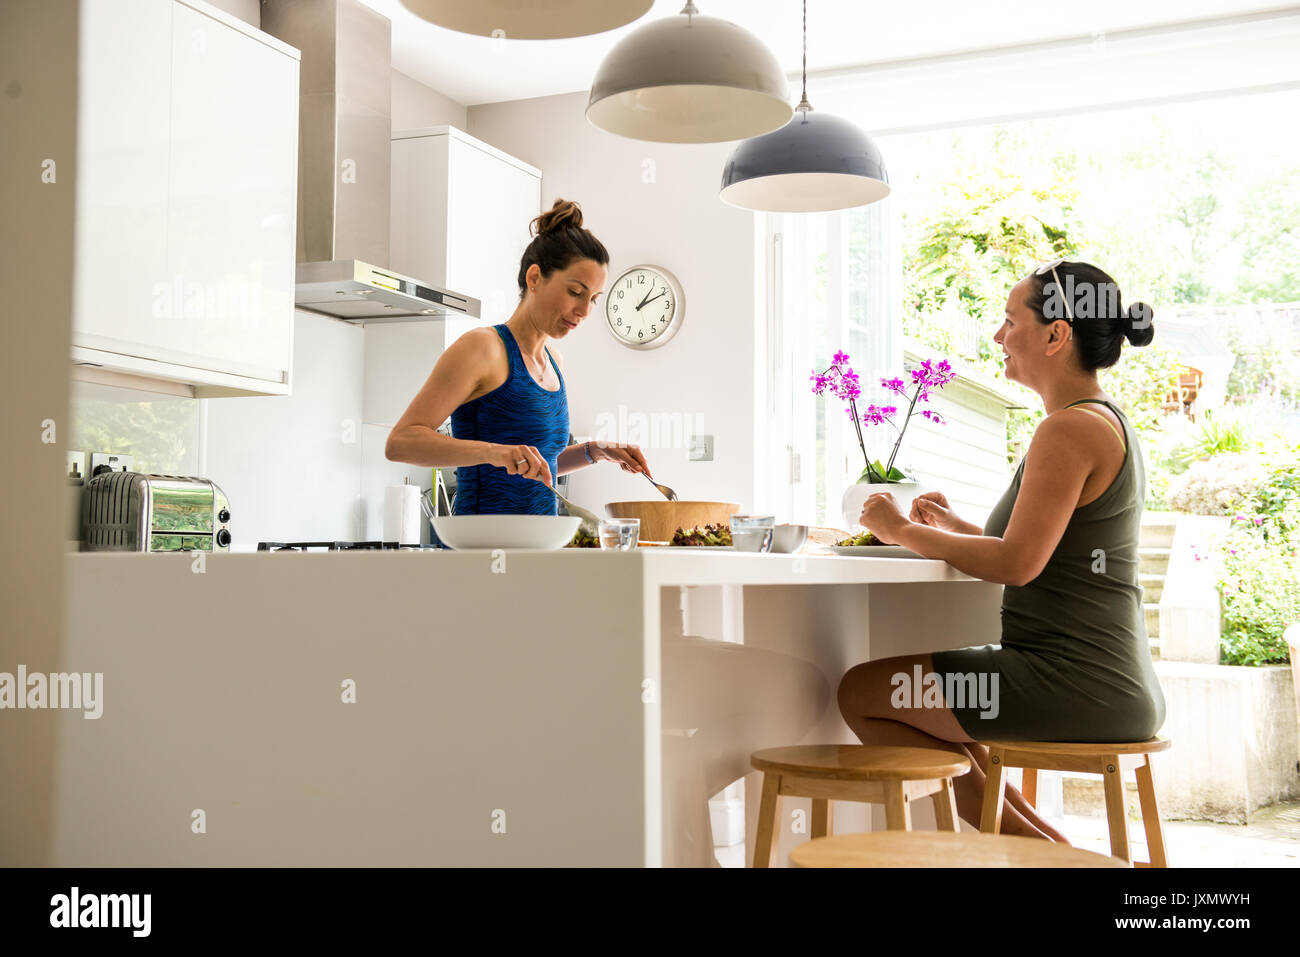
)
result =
(187, 197)
(123, 138)
(460, 212)
(460, 215)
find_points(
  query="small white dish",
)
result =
(535, 533)
(701, 548)
(875, 551)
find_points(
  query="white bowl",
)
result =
(522, 532)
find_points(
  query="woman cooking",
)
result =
(503, 388)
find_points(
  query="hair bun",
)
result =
(1140, 330)
(564, 214)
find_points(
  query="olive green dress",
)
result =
(1074, 663)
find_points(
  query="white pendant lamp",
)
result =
(813, 164)
(529, 19)
(689, 79)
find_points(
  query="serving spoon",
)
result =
(590, 524)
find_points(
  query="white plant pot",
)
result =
(855, 496)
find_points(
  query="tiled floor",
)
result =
(1272, 839)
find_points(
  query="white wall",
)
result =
(291, 465)
(650, 203)
(250, 11)
(416, 105)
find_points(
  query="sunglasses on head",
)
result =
(1043, 270)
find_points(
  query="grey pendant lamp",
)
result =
(528, 19)
(813, 164)
(689, 79)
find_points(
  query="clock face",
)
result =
(644, 307)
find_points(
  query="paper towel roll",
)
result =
(402, 515)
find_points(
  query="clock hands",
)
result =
(652, 298)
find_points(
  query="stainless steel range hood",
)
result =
(359, 292)
(344, 145)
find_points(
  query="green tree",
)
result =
(1270, 266)
(1265, 361)
(1196, 206)
(988, 229)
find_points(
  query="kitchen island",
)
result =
(464, 708)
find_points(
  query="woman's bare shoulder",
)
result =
(481, 345)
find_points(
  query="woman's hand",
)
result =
(882, 517)
(931, 508)
(629, 457)
(522, 460)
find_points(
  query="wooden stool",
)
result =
(942, 849)
(840, 772)
(1109, 760)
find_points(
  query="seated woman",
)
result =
(1074, 663)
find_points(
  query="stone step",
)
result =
(1153, 586)
(1153, 559)
(1157, 533)
(1151, 609)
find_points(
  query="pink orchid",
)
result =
(843, 382)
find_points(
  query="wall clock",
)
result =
(644, 307)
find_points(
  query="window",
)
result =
(833, 285)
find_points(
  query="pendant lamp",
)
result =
(813, 164)
(689, 79)
(529, 19)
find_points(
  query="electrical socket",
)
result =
(117, 462)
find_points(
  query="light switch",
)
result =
(701, 448)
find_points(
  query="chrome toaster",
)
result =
(134, 512)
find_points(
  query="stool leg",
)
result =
(765, 838)
(1151, 822)
(823, 811)
(898, 813)
(945, 807)
(1113, 782)
(1029, 785)
(995, 791)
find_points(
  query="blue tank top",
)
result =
(517, 412)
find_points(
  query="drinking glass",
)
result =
(619, 534)
(752, 533)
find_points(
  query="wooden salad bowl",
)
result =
(659, 520)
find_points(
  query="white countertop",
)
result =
(552, 687)
(658, 566)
